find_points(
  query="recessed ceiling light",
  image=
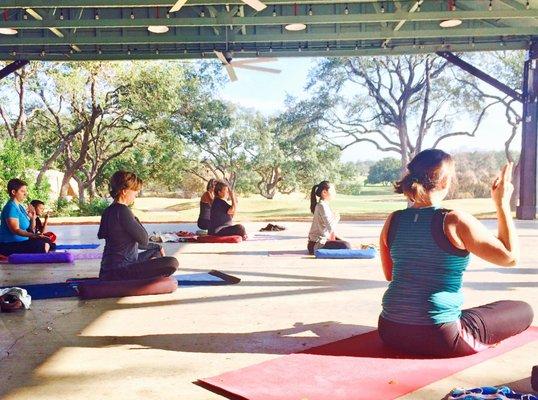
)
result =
(8, 31)
(450, 23)
(158, 28)
(295, 27)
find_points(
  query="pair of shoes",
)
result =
(10, 303)
(271, 227)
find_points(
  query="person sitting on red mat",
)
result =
(38, 227)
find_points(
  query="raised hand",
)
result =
(502, 188)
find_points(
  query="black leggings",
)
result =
(30, 246)
(234, 230)
(477, 329)
(150, 264)
(329, 245)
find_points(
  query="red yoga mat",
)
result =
(357, 368)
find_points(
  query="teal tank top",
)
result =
(427, 269)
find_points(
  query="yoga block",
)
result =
(346, 254)
(41, 258)
(100, 289)
(219, 239)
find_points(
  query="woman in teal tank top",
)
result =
(425, 250)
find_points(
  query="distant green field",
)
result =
(375, 203)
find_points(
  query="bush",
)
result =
(353, 189)
(94, 207)
(384, 171)
(17, 162)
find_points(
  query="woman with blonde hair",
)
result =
(124, 235)
(425, 250)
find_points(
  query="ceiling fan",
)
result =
(226, 59)
(255, 4)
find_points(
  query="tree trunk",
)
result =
(81, 191)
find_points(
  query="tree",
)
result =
(384, 171)
(16, 111)
(506, 66)
(398, 104)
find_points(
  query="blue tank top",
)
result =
(427, 270)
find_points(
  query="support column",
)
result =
(529, 141)
(12, 68)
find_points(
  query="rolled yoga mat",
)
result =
(41, 258)
(360, 367)
(98, 289)
(89, 246)
(346, 253)
(69, 288)
(219, 239)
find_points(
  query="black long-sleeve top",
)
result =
(123, 233)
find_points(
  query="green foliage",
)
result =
(384, 171)
(94, 207)
(18, 162)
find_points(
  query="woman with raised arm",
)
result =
(206, 202)
(222, 213)
(424, 252)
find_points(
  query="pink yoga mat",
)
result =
(357, 368)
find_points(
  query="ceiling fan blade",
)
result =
(178, 5)
(231, 72)
(255, 4)
(221, 57)
(255, 60)
(259, 69)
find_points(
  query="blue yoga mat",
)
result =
(346, 253)
(77, 246)
(69, 289)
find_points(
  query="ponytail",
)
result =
(316, 192)
(426, 172)
(313, 198)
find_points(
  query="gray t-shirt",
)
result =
(323, 224)
(123, 233)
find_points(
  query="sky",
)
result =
(266, 93)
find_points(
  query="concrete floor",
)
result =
(155, 347)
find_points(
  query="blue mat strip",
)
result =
(77, 246)
(346, 254)
(69, 289)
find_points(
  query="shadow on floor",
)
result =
(263, 342)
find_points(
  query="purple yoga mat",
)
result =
(87, 255)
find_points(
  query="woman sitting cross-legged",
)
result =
(222, 213)
(322, 232)
(15, 222)
(424, 252)
(204, 219)
(124, 235)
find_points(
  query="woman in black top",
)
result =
(206, 202)
(125, 235)
(222, 213)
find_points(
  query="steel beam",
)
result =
(311, 36)
(529, 141)
(224, 19)
(14, 66)
(453, 59)
(262, 51)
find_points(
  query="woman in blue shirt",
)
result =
(425, 250)
(15, 221)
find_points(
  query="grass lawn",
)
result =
(375, 203)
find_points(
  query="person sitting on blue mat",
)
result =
(222, 213)
(204, 219)
(424, 252)
(15, 221)
(124, 235)
(41, 227)
(322, 233)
